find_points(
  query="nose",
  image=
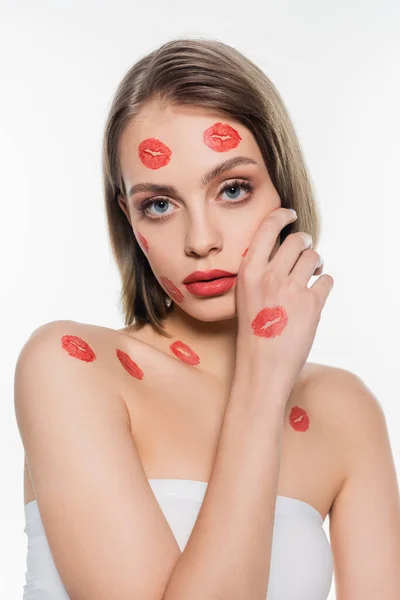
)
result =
(203, 235)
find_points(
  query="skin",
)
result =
(176, 146)
(204, 230)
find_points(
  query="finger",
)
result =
(265, 238)
(306, 266)
(323, 287)
(288, 256)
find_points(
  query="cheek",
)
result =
(171, 289)
(143, 242)
(299, 419)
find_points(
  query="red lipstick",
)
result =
(185, 353)
(154, 154)
(129, 365)
(143, 241)
(209, 283)
(263, 325)
(221, 137)
(78, 348)
(299, 419)
(207, 275)
(211, 288)
(172, 290)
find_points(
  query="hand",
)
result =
(277, 313)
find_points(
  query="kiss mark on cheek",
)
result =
(154, 154)
(172, 290)
(185, 353)
(221, 137)
(244, 253)
(264, 326)
(78, 348)
(299, 419)
(129, 365)
(143, 241)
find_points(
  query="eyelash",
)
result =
(246, 185)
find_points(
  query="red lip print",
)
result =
(78, 348)
(143, 241)
(154, 154)
(299, 419)
(212, 137)
(172, 290)
(129, 365)
(185, 353)
(266, 315)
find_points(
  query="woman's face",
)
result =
(193, 227)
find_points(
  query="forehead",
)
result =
(181, 129)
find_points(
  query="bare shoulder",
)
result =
(341, 394)
(344, 406)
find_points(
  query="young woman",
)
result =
(195, 453)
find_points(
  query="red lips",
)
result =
(154, 154)
(268, 315)
(212, 137)
(207, 275)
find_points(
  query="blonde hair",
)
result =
(209, 74)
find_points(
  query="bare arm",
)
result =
(229, 551)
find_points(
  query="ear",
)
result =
(124, 207)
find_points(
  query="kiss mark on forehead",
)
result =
(154, 154)
(221, 137)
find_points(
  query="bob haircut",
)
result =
(209, 74)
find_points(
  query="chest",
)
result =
(176, 430)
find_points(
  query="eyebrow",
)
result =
(216, 171)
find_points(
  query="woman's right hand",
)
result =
(277, 313)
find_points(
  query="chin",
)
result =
(216, 308)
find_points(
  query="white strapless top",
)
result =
(301, 559)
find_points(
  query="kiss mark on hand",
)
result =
(129, 365)
(299, 419)
(154, 154)
(185, 353)
(263, 325)
(221, 137)
(172, 290)
(78, 348)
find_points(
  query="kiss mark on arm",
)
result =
(221, 137)
(172, 290)
(154, 154)
(78, 348)
(185, 353)
(129, 365)
(299, 419)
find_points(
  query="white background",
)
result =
(336, 64)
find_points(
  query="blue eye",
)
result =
(228, 187)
